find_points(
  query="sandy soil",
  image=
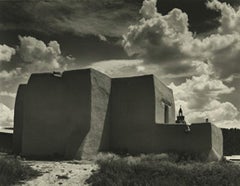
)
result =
(61, 173)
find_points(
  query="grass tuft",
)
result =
(162, 169)
(13, 170)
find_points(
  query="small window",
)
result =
(166, 113)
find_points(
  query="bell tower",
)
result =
(180, 117)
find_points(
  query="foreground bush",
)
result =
(12, 171)
(163, 170)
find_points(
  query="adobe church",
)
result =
(76, 114)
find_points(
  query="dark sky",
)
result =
(54, 20)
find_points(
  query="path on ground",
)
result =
(67, 173)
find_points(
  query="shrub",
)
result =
(164, 170)
(12, 171)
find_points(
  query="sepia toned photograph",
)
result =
(120, 92)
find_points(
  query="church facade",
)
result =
(79, 113)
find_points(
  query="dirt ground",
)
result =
(61, 173)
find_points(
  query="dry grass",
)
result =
(164, 170)
(12, 171)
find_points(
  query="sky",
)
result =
(193, 46)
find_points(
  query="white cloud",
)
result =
(231, 78)
(159, 39)
(9, 82)
(6, 52)
(167, 41)
(4, 75)
(223, 115)
(37, 55)
(199, 97)
(10, 94)
(230, 17)
(6, 116)
(118, 68)
(149, 9)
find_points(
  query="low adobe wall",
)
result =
(6, 141)
(204, 139)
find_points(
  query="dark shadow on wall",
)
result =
(78, 109)
(231, 141)
(6, 142)
(18, 120)
(105, 145)
(75, 139)
(52, 115)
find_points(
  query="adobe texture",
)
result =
(203, 139)
(54, 121)
(97, 138)
(82, 112)
(163, 97)
(136, 103)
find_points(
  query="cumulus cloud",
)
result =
(199, 96)
(9, 81)
(6, 117)
(10, 94)
(118, 68)
(35, 57)
(166, 39)
(4, 74)
(149, 9)
(209, 61)
(6, 52)
(159, 38)
(230, 17)
(38, 55)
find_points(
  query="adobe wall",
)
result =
(175, 138)
(65, 117)
(18, 119)
(217, 143)
(132, 113)
(163, 96)
(97, 138)
(204, 139)
(84, 112)
(6, 141)
(78, 108)
(137, 103)
(56, 114)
